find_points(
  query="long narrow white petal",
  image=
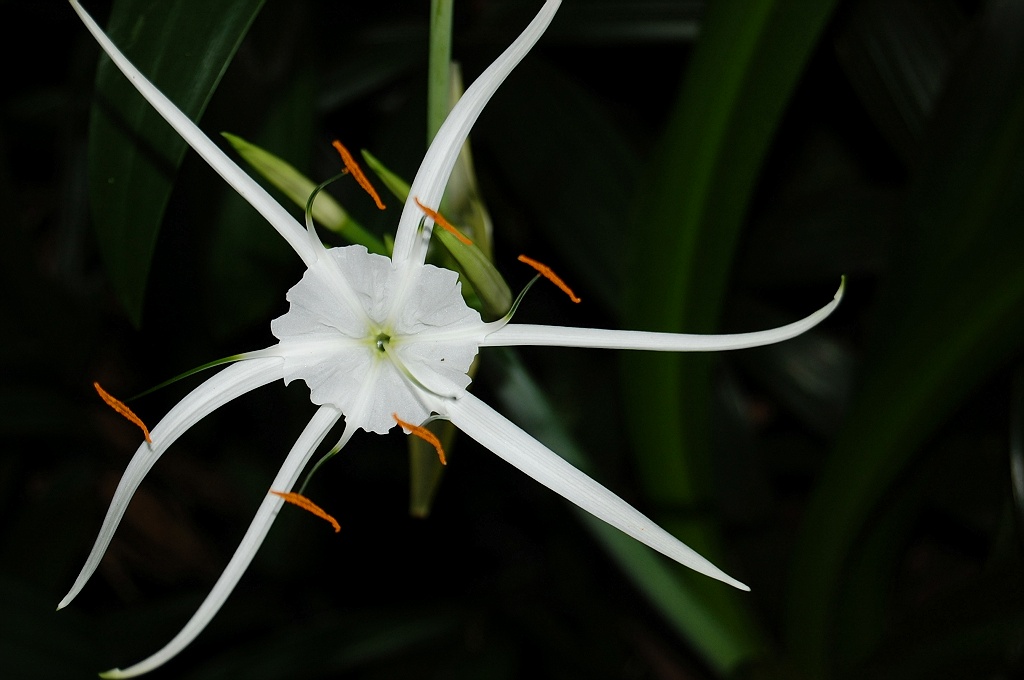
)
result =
(509, 442)
(279, 218)
(563, 336)
(432, 176)
(303, 449)
(233, 381)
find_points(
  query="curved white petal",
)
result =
(432, 176)
(336, 296)
(509, 442)
(564, 336)
(232, 382)
(303, 449)
(279, 218)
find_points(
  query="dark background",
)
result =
(688, 166)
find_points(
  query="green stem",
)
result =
(439, 69)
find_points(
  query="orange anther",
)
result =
(550, 275)
(424, 434)
(120, 407)
(443, 223)
(307, 505)
(353, 169)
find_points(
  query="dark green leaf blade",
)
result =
(184, 48)
(745, 66)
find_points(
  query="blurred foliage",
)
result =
(699, 166)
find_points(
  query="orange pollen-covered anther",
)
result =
(307, 505)
(121, 408)
(550, 275)
(353, 169)
(424, 434)
(443, 223)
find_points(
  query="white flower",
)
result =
(379, 340)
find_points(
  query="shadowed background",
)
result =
(687, 166)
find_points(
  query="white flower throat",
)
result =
(369, 337)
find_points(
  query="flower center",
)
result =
(351, 311)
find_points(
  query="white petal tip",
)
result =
(114, 673)
(726, 579)
(842, 288)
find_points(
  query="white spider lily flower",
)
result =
(382, 341)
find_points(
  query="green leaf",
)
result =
(948, 316)
(744, 67)
(184, 48)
